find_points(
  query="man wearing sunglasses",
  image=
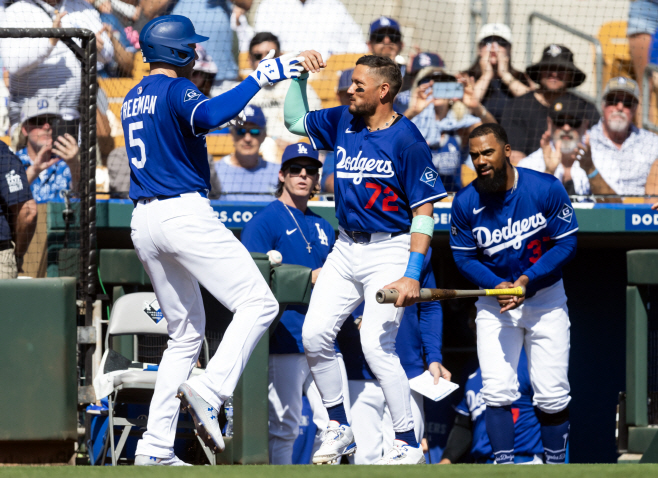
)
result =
(244, 175)
(560, 145)
(52, 164)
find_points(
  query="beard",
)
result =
(493, 184)
(364, 109)
(618, 123)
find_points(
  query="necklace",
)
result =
(386, 125)
(308, 244)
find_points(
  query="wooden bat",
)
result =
(390, 296)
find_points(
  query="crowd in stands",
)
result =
(594, 149)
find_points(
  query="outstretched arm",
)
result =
(296, 106)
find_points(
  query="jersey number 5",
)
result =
(137, 142)
(391, 197)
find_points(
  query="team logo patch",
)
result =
(152, 309)
(191, 95)
(554, 50)
(14, 181)
(429, 176)
(453, 230)
(139, 90)
(566, 213)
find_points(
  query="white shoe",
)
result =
(143, 460)
(337, 440)
(205, 417)
(403, 454)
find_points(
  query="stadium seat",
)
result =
(219, 145)
(140, 69)
(244, 66)
(6, 140)
(616, 54)
(116, 87)
(325, 82)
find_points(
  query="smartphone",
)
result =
(448, 90)
(61, 127)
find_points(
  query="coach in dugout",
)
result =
(18, 214)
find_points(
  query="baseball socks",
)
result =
(500, 428)
(337, 414)
(555, 435)
(409, 437)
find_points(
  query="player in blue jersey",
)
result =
(469, 431)
(516, 227)
(178, 238)
(385, 187)
(303, 238)
(418, 343)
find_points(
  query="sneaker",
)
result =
(337, 440)
(403, 454)
(205, 416)
(143, 460)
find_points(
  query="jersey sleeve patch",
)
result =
(429, 176)
(566, 213)
(191, 95)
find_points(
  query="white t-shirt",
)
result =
(536, 162)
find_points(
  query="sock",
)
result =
(409, 437)
(337, 414)
(554, 438)
(500, 428)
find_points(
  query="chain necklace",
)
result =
(386, 126)
(308, 244)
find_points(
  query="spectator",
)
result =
(244, 175)
(420, 61)
(496, 80)
(51, 165)
(445, 123)
(524, 118)
(18, 214)
(47, 67)
(270, 98)
(560, 145)
(642, 25)
(124, 51)
(325, 24)
(205, 70)
(329, 165)
(618, 156)
(386, 39)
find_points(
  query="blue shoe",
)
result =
(205, 416)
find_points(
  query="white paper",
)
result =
(424, 384)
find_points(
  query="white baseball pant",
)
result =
(371, 420)
(290, 377)
(182, 243)
(542, 324)
(354, 271)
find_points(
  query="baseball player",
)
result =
(385, 186)
(516, 227)
(178, 238)
(469, 430)
(418, 342)
(304, 238)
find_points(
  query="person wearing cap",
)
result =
(52, 164)
(617, 156)
(641, 28)
(301, 237)
(445, 123)
(559, 148)
(385, 38)
(244, 175)
(496, 80)
(524, 117)
(420, 61)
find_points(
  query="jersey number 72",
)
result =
(391, 197)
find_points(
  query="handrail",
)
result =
(646, 97)
(589, 38)
(482, 13)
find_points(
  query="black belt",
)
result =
(4, 245)
(162, 198)
(361, 237)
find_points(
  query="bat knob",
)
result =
(380, 296)
(387, 296)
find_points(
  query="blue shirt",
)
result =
(46, 186)
(235, 180)
(527, 431)
(418, 341)
(381, 175)
(275, 229)
(13, 187)
(514, 233)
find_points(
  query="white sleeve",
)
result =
(353, 40)
(20, 55)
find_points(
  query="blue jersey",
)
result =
(167, 155)
(509, 233)
(418, 341)
(380, 176)
(275, 229)
(527, 432)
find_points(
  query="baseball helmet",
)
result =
(167, 39)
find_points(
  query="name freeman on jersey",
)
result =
(362, 166)
(137, 106)
(514, 233)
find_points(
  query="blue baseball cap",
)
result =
(384, 22)
(253, 114)
(300, 150)
(426, 59)
(345, 80)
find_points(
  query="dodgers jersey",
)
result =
(527, 431)
(274, 229)
(380, 176)
(508, 233)
(167, 157)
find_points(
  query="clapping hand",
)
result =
(273, 70)
(552, 156)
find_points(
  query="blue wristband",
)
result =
(414, 266)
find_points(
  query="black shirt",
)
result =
(496, 98)
(524, 120)
(14, 188)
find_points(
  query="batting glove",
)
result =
(272, 70)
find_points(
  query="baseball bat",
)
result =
(390, 296)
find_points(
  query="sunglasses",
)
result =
(379, 36)
(501, 42)
(296, 170)
(437, 78)
(627, 101)
(40, 121)
(244, 131)
(560, 121)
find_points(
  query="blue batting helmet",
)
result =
(167, 39)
